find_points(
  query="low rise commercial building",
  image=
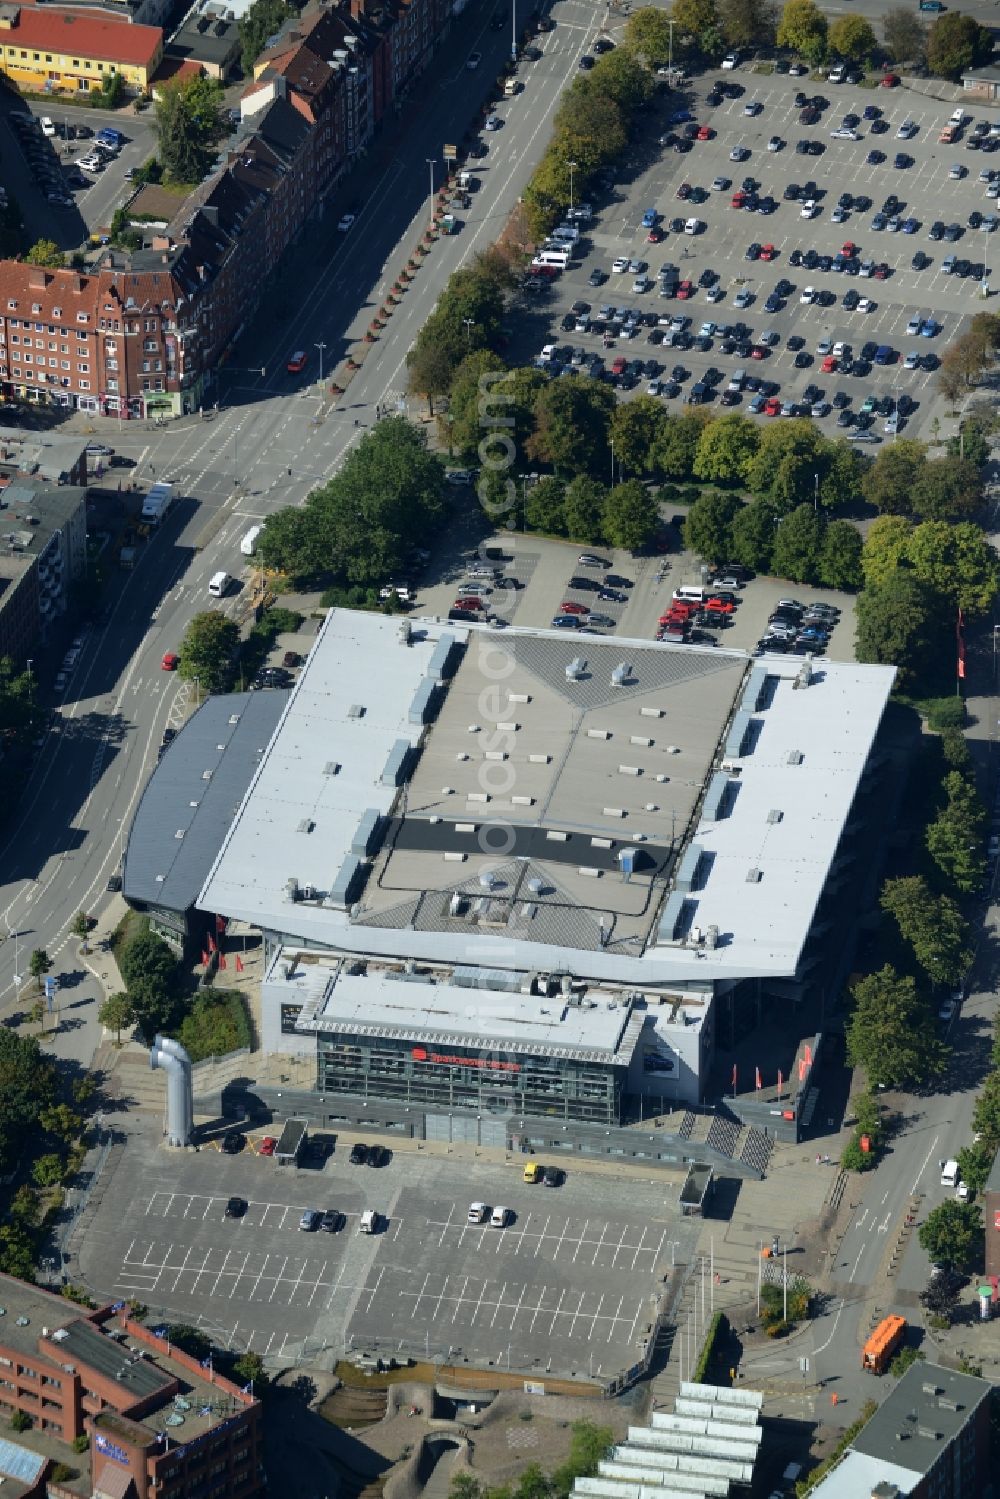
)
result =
(209, 35)
(72, 51)
(158, 1422)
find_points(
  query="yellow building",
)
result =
(69, 52)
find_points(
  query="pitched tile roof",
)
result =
(75, 35)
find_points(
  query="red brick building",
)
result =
(158, 1422)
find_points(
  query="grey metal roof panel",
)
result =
(223, 741)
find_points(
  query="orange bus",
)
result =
(882, 1344)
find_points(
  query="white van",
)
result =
(738, 380)
(558, 258)
(566, 232)
(500, 1217)
(218, 585)
(248, 545)
(369, 1222)
(949, 1174)
(689, 594)
(693, 226)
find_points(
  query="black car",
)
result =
(862, 203)
(359, 1154)
(616, 580)
(791, 193)
(586, 62)
(963, 267)
(478, 148)
(236, 1207)
(794, 343)
(714, 97)
(604, 44)
(920, 261)
(614, 595)
(802, 148)
(332, 1221)
(803, 360)
(233, 1142)
(975, 219)
(752, 252)
(841, 399)
(878, 127)
(683, 146)
(115, 883)
(800, 101)
(597, 277)
(707, 278)
(552, 1176)
(978, 270)
(810, 260)
(378, 1155)
(795, 258)
(850, 300)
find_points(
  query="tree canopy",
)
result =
(851, 37)
(956, 42)
(208, 650)
(189, 125)
(891, 1031)
(45, 252)
(262, 21)
(27, 1087)
(803, 29)
(955, 837)
(932, 925)
(951, 1233)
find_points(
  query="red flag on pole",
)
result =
(222, 960)
(220, 923)
(205, 959)
(734, 1077)
(808, 1055)
(239, 963)
(802, 1071)
(757, 1072)
(960, 644)
(211, 942)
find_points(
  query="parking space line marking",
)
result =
(496, 1309)
(614, 1320)
(513, 1319)
(221, 1273)
(239, 1275)
(459, 1299)
(437, 1309)
(232, 1335)
(538, 1307)
(604, 1229)
(572, 1325)
(260, 1273)
(423, 1288)
(541, 1236)
(521, 1234)
(447, 1225)
(555, 1314)
(659, 1247)
(614, 1257)
(375, 1287)
(278, 1278)
(638, 1249)
(635, 1319)
(593, 1320)
(579, 1242)
(210, 1204)
(479, 1302)
(180, 1272)
(267, 1349)
(561, 1237)
(200, 1271)
(298, 1281)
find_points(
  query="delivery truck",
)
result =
(293, 1137)
(157, 504)
(878, 1352)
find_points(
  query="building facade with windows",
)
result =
(72, 51)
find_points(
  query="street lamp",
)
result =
(469, 323)
(815, 494)
(513, 30)
(321, 347)
(572, 169)
(670, 47)
(430, 160)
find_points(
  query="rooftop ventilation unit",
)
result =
(367, 833)
(403, 632)
(306, 825)
(754, 876)
(712, 937)
(739, 734)
(794, 757)
(292, 889)
(775, 815)
(356, 710)
(576, 669)
(439, 666)
(621, 674)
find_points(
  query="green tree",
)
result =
(631, 516)
(572, 425)
(932, 925)
(465, 1486)
(726, 449)
(677, 444)
(839, 563)
(891, 1032)
(695, 21)
(215, 1025)
(208, 650)
(47, 1170)
(647, 35)
(956, 42)
(885, 549)
(462, 426)
(112, 90)
(27, 1087)
(292, 542)
(852, 37)
(708, 529)
(583, 508)
(950, 1233)
(803, 29)
(431, 367)
(975, 1162)
(905, 35)
(189, 125)
(957, 371)
(797, 544)
(942, 1293)
(544, 506)
(64, 1123)
(947, 489)
(750, 24)
(789, 456)
(263, 20)
(116, 1013)
(147, 959)
(955, 837)
(636, 428)
(753, 536)
(986, 1111)
(39, 964)
(620, 77)
(588, 1445)
(957, 561)
(46, 252)
(889, 481)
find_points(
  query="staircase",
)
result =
(754, 1148)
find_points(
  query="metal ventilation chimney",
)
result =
(171, 1057)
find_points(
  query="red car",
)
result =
(718, 606)
(571, 607)
(655, 235)
(620, 365)
(772, 406)
(550, 272)
(705, 133)
(738, 199)
(881, 271)
(296, 362)
(267, 1146)
(890, 80)
(767, 252)
(829, 365)
(467, 603)
(684, 191)
(684, 291)
(849, 249)
(758, 352)
(169, 662)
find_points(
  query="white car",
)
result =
(721, 184)
(500, 1217)
(707, 329)
(911, 361)
(473, 60)
(809, 209)
(620, 263)
(92, 163)
(906, 131)
(47, 126)
(769, 338)
(739, 153)
(729, 61)
(714, 293)
(693, 226)
(891, 425)
(808, 296)
(914, 326)
(824, 347)
(839, 349)
(346, 223)
(775, 143)
(478, 1212)
(753, 107)
(866, 305)
(844, 133)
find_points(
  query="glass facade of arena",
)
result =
(442, 1076)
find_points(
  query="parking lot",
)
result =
(927, 192)
(56, 192)
(567, 1286)
(547, 574)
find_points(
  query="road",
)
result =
(271, 441)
